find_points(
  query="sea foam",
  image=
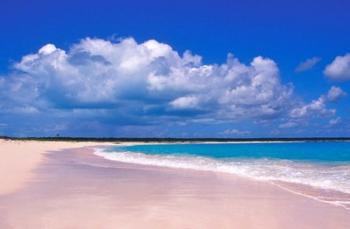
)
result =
(329, 177)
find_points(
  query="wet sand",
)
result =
(76, 189)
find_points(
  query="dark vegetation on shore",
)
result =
(110, 139)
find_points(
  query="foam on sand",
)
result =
(333, 179)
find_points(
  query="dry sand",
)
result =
(76, 189)
(19, 158)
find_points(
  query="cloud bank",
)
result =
(129, 83)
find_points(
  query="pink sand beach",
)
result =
(64, 185)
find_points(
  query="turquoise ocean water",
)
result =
(322, 166)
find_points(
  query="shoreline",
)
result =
(321, 194)
(75, 188)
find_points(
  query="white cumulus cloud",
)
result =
(335, 121)
(335, 93)
(185, 102)
(149, 82)
(307, 64)
(98, 73)
(339, 69)
(318, 107)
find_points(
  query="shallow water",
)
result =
(317, 169)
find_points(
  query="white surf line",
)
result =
(100, 152)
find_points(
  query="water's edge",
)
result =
(318, 182)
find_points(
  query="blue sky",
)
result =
(120, 68)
